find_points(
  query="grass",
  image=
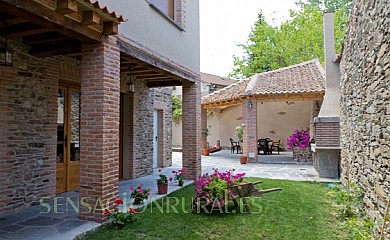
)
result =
(301, 210)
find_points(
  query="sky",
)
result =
(224, 23)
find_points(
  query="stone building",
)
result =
(365, 105)
(85, 103)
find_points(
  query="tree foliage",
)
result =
(294, 41)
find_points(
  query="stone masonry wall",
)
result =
(28, 114)
(143, 130)
(365, 105)
(145, 101)
(163, 102)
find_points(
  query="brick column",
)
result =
(100, 86)
(204, 127)
(191, 129)
(250, 132)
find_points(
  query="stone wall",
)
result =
(365, 109)
(163, 103)
(28, 113)
(144, 101)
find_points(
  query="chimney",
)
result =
(331, 67)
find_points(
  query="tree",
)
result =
(294, 41)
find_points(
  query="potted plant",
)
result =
(162, 183)
(139, 194)
(299, 142)
(239, 132)
(179, 176)
(206, 147)
(120, 218)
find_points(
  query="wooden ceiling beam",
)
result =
(33, 12)
(21, 30)
(43, 38)
(60, 48)
(160, 77)
(164, 83)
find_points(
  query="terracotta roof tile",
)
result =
(105, 9)
(307, 77)
(210, 78)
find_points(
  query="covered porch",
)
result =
(286, 87)
(62, 104)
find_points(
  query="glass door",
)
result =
(68, 139)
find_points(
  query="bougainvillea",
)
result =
(300, 138)
(214, 187)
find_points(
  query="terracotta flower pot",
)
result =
(206, 151)
(162, 188)
(243, 159)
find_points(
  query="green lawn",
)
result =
(300, 211)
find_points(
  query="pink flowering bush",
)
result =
(300, 138)
(139, 192)
(213, 187)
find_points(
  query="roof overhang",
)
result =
(294, 97)
(56, 27)
(155, 69)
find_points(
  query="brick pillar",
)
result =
(204, 127)
(100, 86)
(191, 129)
(250, 132)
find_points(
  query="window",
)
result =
(165, 6)
(173, 10)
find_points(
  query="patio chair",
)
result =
(276, 145)
(234, 145)
(263, 145)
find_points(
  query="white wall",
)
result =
(156, 32)
(275, 120)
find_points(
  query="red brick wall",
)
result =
(191, 129)
(250, 131)
(100, 93)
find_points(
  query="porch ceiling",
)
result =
(59, 29)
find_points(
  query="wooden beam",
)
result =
(110, 28)
(66, 6)
(155, 61)
(164, 83)
(60, 48)
(33, 12)
(22, 30)
(43, 38)
(91, 18)
(159, 77)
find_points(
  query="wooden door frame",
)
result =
(68, 88)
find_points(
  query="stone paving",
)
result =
(62, 222)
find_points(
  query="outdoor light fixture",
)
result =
(130, 84)
(250, 104)
(5, 54)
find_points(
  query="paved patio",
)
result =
(62, 222)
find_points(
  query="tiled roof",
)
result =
(307, 77)
(214, 79)
(105, 9)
